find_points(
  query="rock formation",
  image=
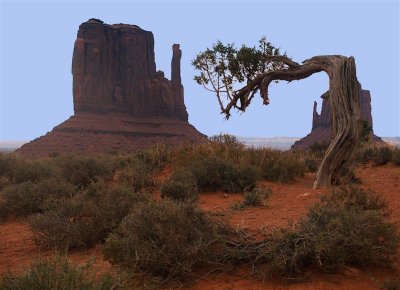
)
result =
(120, 101)
(322, 123)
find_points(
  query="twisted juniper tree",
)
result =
(236, 76)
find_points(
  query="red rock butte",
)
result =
(121, 103)
(322, 123)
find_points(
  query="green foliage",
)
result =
(234, 65)
(57, 273)
(223, 66)
(164, 239)
(180, 187)
(347, 227)
(86, 218)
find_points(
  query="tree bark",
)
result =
(338, 162)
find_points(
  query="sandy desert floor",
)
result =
(288, 203)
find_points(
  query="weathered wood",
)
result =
(337, 164)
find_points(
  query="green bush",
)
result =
(213, 174)
(27, 197)
(347, 227)
(86, 218)
(57, 273)
(164, 239)
(180, 187)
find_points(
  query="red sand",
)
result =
(288, 202)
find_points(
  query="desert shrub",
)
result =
(82, 171)
(225, 147)
(312, 163)
(26, 198)
(86, 218)
(214, 174)
(382, 156)
(155, 158)
(396, 156)
(255, 197)
(57, 273)
(278, 166)
(137, 175)
(164, 239)
(319, 148)
(347, 227)
(391, 284)
(377, 155)
(180, 187)
(19, 170)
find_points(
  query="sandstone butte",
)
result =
(322, 123)
(121, 102)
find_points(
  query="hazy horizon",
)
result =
(283, 143)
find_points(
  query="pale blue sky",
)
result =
(37, 39)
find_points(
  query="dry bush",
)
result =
(396, 156)
(254, 197)
(86, 218)
(276, 165)
(58, 273)
(348, 227)
(82, 170)
(164, 240)
(180, 187)
(391, 284)
(137, 175)
(19, 170)
(156, 157)
(379, 156)
(26, 198)
(213, 174)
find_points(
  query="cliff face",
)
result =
(120, 101)
(322, 123)
(114, 70)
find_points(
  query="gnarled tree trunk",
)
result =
(337, 165)
(338, 162)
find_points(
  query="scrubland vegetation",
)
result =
(74, 202)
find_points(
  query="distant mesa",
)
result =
(121, 102)
(322, 123)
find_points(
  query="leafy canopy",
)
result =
(224, 69)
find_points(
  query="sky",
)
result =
(37, 40)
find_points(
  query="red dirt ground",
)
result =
(288, 203)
